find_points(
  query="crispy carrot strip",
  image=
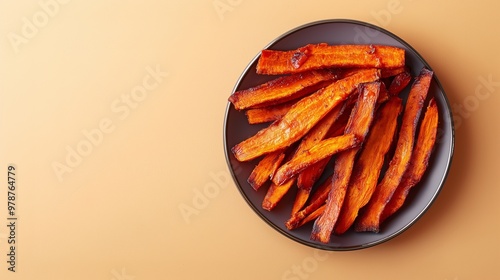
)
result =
(301, 117)
(265, 169)
(366, 170)
(318, 152)
(318, 198)
(399, 82)
(383, 95)
(269, 113)
(275, 193)
(391, 72)
(300, 200)
(281, 89)
(323, 55)
(370, 219)
(359, 123)
(419, 161)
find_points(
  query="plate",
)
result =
(236, 129)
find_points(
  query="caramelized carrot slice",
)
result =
(419, 161)
(370, 219)
(317, 56)
(383, 95)
(300, 200)
(301, 117)
(359, 123)
(275, 193)
(391, 72)
(318, 152)
(399, 82)
(367, 168)
(265, 169)
(281, 89)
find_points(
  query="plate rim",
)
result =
(443, 177)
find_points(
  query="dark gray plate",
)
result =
(236, 129)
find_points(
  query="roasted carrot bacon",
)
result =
(265, 169)
(419, 161)
(282, 89)
(370, 219)
(359, 124)
(366, 170)
(318, 56)
(301, 117)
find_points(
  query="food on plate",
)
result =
(335, 112)
(321, 56)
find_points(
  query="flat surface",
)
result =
(112, 114)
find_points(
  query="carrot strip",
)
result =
(275, 193)
(300, 200)
(282, 89)
(269, 113)
(399, 82)
(265, 169)
(391, 72)
(317, 56)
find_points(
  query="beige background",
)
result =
(69, 68)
